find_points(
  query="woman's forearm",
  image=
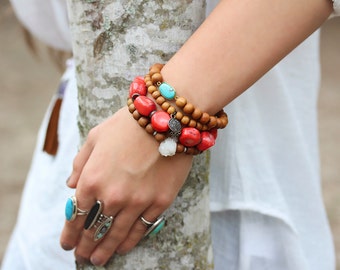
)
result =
(237, 44)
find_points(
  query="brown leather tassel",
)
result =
(51, 139)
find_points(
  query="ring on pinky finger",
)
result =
(153, 227)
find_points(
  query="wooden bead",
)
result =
(160, 100)
(156, 94)
(212, 122)
(159, 137)
(129, 101)
(204, 128)
(155, 68)
(185, 120)
(180, 148)
(157, 77)
(136, 115)
(218, 122)
(165, 106)
(192, 123)
(196, 114)
(199, 126)
(132, 108)
(190, 151)
(143, 121)
(188, 108)
(224, 121)
(148, 83)
(179, 116)
(152, 89)
(181, 102)
(204, 118)
(149, 129)
(171, 110)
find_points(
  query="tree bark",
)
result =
(114, 41)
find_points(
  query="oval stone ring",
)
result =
(153, 227)
(72, 210)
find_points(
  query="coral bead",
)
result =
(137, 87)
(144, 105)
(160, 120)
(214, 132)
(207, 141)
(190, 137)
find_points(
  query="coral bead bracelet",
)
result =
(180, 128)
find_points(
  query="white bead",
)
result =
(168, 147)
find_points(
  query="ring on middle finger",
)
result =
(95, 216)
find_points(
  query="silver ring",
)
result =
(72, 210)
(105, 224)
(155, 227)
(146, 222)
(95, 216)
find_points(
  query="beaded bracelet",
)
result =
(191, 116)
(145, 123)
(190, 131)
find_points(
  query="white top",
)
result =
(266, 164)
(46, 20)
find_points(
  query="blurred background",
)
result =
(27, 82)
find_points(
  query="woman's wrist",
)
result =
(175, 123)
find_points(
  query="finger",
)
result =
(117, 235)
(138, 230)
(72, 230)
(88, 241)
(80, 160)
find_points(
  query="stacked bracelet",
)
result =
(180, 128)
(191, 116)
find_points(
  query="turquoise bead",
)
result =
(167, 91)
(69, 209)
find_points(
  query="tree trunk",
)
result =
(114, 41)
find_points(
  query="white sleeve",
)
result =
(336, 7)
(47, 20)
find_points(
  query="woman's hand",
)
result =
(120, 165)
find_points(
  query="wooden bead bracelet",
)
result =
(190, 115)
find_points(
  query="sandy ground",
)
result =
(27, 83)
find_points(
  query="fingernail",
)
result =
(120, 252)
(97, 262)
(80, 260)
(66, 247)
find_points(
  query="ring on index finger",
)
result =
(72, 210)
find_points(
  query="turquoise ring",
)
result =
(98, 220)
(105, 224)
(153, 227)
(72, 210)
